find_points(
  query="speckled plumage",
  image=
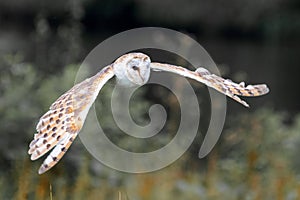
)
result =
(61, 124)
(225, 86)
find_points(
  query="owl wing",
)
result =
(61, 124)
(220, 84)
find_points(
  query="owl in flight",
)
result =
(61, 124)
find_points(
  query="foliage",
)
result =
(255, 159)
(24, 97)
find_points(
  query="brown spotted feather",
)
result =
(220, 84)
(58, 128)
(61, 124)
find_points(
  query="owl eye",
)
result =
(134, 67)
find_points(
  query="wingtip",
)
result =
(40, 172)
(33, 156)
(264, 88)
(42, 169)
(267, 90)
(29, 151)
(246, 104)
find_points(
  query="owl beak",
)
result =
(139, 72)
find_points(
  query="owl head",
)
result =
(132, 69)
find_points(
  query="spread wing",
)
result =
(220, 84)
(61, 124)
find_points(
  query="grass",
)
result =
(255, 160)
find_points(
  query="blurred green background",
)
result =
(42, 44)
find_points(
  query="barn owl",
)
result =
(58, 127)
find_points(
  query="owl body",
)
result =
(58, 128)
